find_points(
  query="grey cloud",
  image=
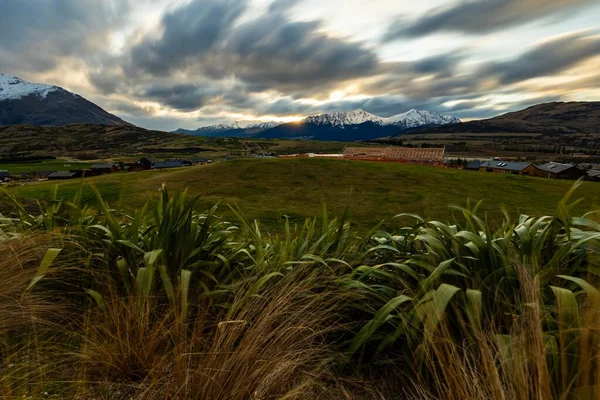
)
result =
(269, 52)
(189, 33)
(181, 97)
(292, 54)
(482, 16)
(546, 59)
(36, 34)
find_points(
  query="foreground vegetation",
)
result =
(371, 191)
(167, 302)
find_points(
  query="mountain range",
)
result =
(340, 126)
(23, 102)
(38, 104)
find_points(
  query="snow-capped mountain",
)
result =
(415, 118)
(342, 119)
(234, 129)
(343, 126)
(409, 119)
(239, 125)
(23, 102)
(356, 125)
(12, 88)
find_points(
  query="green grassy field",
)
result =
(45, 165)
(268, 189)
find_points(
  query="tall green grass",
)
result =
(168, 302)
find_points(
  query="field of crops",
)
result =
(167, 302)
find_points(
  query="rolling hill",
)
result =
(55, 140)
(547, 118)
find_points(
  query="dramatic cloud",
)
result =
(482, 16)
(268, 52)
(36, 34)
(547, 59)
(180, 63)
(190, 32)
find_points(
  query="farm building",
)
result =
(473, 166)
(99, 169)
(168, 164)
(141, 165)
(60, 175)
(593, 175)
(80, 173)
(395, 153)
(41, 174)
(507, 167)
(201, 161)
(560, 171)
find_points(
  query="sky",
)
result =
(168, 64)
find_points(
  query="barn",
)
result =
(508, 167)
(396, 154)
(560, 171)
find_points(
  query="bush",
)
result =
(170, 302)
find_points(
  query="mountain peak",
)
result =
(409, 119)
(23, 102)
(12, 87)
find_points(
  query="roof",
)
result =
(555, 167)
(473, 165)
(62, 174)
(4, 174)
(102, 166)
(505, 165)
(395, 153)
(43, 173)
(168, 164)
(594, 173)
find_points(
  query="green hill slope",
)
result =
(268, 189)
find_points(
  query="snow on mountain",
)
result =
(415, 118)
(248, 125)
(26, 103)
(12, 87)
(341, 119)
(336, 120)
(409, 119)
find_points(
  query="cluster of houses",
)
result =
(551, 170)
(102, 169)
(437, 156)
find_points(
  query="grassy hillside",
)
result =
(268, 189)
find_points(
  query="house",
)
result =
(99, 169)
(473, 166)
(168, 164)
(81, 173)
(143, 164)
(593, 175)
(396, 154)
(4, 175)
(560, 171)
(60, 175)
(42, 174)
(509, 167)
(201, 161)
